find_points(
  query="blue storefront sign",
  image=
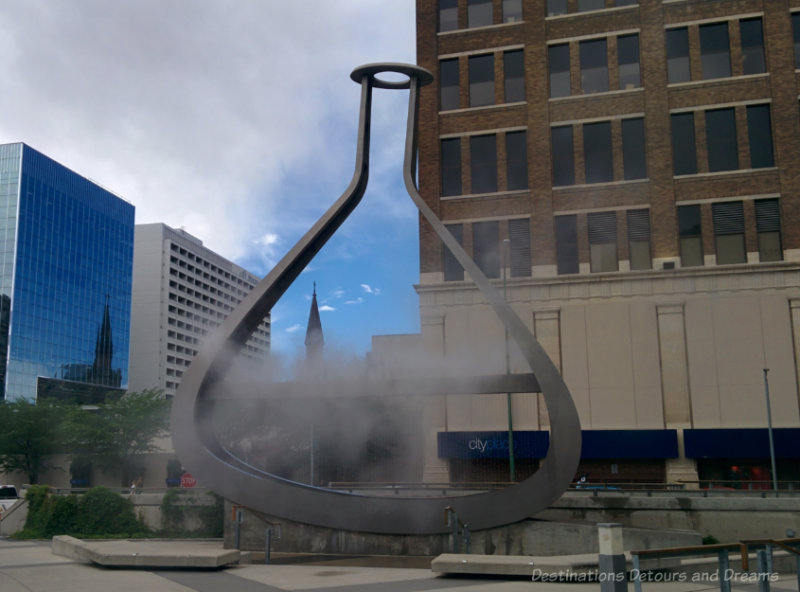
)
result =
(533, 444)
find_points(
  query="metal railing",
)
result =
(725, 575)
(458, 527)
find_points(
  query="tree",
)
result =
(29, 433)
(120, 430)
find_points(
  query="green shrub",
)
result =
(101, 511)
(98, 513)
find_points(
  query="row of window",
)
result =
(200, 296)
(716, 131)
(481, 75)
(597, 141)
(215, 270)
(483, 163)
(728, 222)
(603, 239)
(490, 253)
(714, 41)
(592, 56)
(482, 13)
(195, 281)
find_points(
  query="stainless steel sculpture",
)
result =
(205, 381)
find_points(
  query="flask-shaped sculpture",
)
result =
(217, 468)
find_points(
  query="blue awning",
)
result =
(596, 444)
(741, 443)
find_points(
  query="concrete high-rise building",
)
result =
(628, 170)
(182, 291)
(66, 254)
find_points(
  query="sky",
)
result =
(235, 120)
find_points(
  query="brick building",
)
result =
(628, 172)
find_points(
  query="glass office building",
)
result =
(66, 264)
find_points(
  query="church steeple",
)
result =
(314, 339)
(101, 372)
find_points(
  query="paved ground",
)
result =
(31, 567)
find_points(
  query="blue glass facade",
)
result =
(66, 264)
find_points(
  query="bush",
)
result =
(101, 511)
(98, 513)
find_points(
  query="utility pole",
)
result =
(512, 471)
(769, 431)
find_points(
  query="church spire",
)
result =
(314, 339)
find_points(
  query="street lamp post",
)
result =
(769, 431)
(512, 471)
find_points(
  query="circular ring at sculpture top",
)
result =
(409, 70)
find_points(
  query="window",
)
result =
(486, 247)
(587, 5)
(563, 156)
(479, 13)
(759, 131)
(451, 166)
(684, 155)
(558, 59)
(594, 66)
(512, 11)
(481, 80)
(768, 226)
(723, 150)
(519, 237)
(516, 160)
(453, 272)
(714, 51)
(689, 231)
(729, 232)
(678, 65)
(597, 154)
(639, 239)
(556, 7)
(628, 58)
(483, 163)
(567, 244)
(602, 241)
(796, 38)
(633, 152)
(448, 15)
(514, 74)
(752, 36)
(448, 84)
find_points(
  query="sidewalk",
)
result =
(30, 566)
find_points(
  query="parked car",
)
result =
(8, 497)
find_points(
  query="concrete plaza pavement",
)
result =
(30, 566)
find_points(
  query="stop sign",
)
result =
(188, 481)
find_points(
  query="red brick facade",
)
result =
(655, 100)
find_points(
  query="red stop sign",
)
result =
(188, 481)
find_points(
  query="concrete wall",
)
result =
(567, 527)
(728, 518)
(529, 537)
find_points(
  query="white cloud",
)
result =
(294, 328)
(326, 308)
(370, 290)
(358, 300)
(338, 293)
(200, 125)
